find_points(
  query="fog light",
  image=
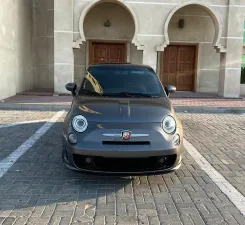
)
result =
(161, 160)
(176, 140)
(88, 160)
(72, 138)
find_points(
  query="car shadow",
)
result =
(13, 135)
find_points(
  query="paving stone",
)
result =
(38, 189)
(38, 220)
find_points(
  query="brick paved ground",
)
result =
(38, 189)
(209, 102)
(12, 137)
(221, 140)
(8, 116)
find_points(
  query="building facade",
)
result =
(243, 56)
(194, 45)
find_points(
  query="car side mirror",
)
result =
(72, 88)
(170, 89)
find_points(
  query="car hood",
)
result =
(128, 110)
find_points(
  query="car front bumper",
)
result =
(110, 154)
(126, 161)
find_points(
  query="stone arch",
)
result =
(215, 17)
(119, 2)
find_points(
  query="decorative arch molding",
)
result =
(216, 19)
(92, 4)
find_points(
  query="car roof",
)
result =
(119, 64)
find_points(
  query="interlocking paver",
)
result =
(38, 189)
(12, 137)
(221, 142)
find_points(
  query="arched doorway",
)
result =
(108, 28)
(189, 60)
(108, 33)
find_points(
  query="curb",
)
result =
(177, 108)
(32, 106)
(208, 109)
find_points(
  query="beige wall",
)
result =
(122, 24)
(199, 26)
(208, 69)
(136, 56)
(79, 63)
(43, 43)
(15, 47)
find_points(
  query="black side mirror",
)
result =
(72, 88)
(170, 89)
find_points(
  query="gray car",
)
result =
(121, 122)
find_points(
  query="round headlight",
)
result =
(79, 123)
(169, 124)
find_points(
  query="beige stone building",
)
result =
(194, 45)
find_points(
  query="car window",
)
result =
(115, 80)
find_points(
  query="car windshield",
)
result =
(121, 81)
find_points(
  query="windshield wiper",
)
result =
(142, 95)
(120, 94)
(129, 94)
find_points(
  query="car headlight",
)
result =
(169, 124)
(79, 123)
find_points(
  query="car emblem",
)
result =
(126, 135)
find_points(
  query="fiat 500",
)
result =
(121, 121)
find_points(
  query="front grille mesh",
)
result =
(126, 143)
(124, 164)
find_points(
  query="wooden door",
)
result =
(107, 52)
(186, 68)
(169, 65)
(178, 67)
(99, 53)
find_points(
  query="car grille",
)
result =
(125, 143)
(124, 164)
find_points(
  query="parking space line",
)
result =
(21, 123)
(232, 193)
(8, 162)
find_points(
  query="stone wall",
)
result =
(79, 63)
(136, 56)
(15, 47)
(43, 43)
(122, 24)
